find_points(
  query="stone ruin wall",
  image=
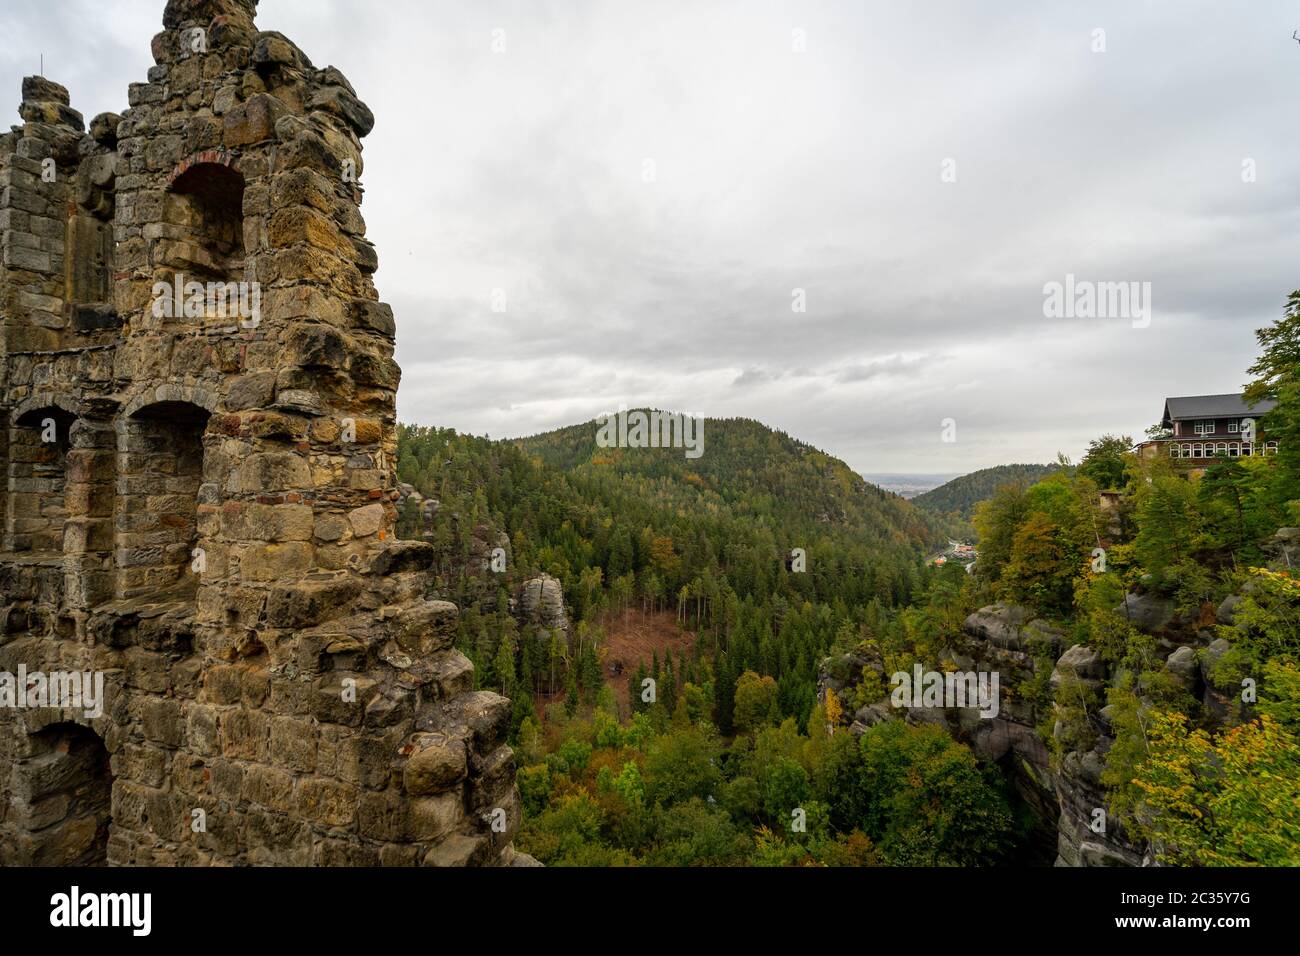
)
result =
(200, 505)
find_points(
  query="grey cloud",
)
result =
(779, 171)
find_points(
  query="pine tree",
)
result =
(553, 658)
(504, 664)
(634, 688)
(724, 696)
(571, 700)
(668, 689)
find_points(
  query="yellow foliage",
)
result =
(834, 710)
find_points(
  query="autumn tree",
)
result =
(834, 711)
(1231, 799)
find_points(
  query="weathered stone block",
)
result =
(258, 522)
(293, 744)
(432, 818)
(161, 721)
(427, 627)
(270, 787)
(311, 602)
(244, 734)
(252, 121)
(300, 224)
(271, 472)
(437, 765)
(327, 802)
(202, 728)
(366, 521)
(457, 850)
(365, 760)
(250, 391)
(274, 562)
(382, 816)
(222, 684)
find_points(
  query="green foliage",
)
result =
(996, 522)
(1169, 524)
(1106, 461)
(682, 765)
(1280, 695)
(755, 702)
(930, 804)
(901, 795)
(569, 833)
(1041, 570)
(1266, 628)
(1226, 800)
(1279, 359)
(1277, 372)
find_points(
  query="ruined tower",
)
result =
(197, 440)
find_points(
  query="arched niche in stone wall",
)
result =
(160, 469)
(61, 794)
(37, 475)
(203, 211)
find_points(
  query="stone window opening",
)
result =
(205, 208)
(36, 507)
(61, 799)
(160, 469)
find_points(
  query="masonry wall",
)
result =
(219, 545)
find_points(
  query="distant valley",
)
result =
(909, 485)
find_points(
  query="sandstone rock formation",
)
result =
(1086, 835)
(541, 603)
(1283, 549)
(199, 490)
(1063, 794)
(1002, 638)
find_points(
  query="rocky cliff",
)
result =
(1056, 763)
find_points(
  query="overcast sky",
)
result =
(525, 171)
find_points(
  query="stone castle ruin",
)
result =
(197, 391)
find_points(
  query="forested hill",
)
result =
(746, 471)
(729, 731)
(961, 495)
(713, 537)
(650, 520)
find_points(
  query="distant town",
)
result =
(958, 551)
(909, 486)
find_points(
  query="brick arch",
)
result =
(203, 202)
(207, 157)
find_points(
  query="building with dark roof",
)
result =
(1211, 427)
